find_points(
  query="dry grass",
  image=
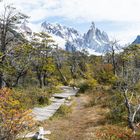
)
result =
(80, 124)
(87, 121)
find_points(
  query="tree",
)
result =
(59, 59)
(131, 102)
(9, 19)
(42, 59)
(113, 47)
(77, 61)
(128, 84)
(17, 64)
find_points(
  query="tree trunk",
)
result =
(20, 74)
(39, 77)
(64, 80)
(17, 81)
(130, 114)
(113, 62)
(1, 81)
(44, 79)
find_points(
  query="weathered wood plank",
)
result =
(44, 113)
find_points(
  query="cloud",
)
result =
(116, 11)
(98, 10)
(36, 9)
(125, 36)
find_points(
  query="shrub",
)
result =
(83, 87)
(117, 112)
(13, 118)
(87, 84)
(29, 96)
(114, 133)
(44, 100)
(63, 111)
(106, 77)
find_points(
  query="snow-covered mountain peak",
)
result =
(92, 27)
(61, 31)
(94, 40)
(137, 40)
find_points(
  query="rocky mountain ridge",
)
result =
(94, 41)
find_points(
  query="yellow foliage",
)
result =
(92, 82)
(13, 118)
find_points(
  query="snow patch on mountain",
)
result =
(137, 40)
(61, 42)
(94, 41)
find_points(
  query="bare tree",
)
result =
(130, 95)
(113, 48)
(129, 84)
(9, 19)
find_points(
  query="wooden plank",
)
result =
(44, 113)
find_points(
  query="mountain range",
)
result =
(137, 40)
(94, 41)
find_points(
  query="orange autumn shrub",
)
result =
(114, 133)
(13, 118)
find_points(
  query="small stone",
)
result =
(35, 137)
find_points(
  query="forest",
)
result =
(31, 71)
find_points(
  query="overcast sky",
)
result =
(119, 18)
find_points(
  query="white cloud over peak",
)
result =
(98, 10)
(84, 11)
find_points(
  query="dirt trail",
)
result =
(80, 124)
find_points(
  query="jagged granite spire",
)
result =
(94, 41)
(137, 40)
(92, 25)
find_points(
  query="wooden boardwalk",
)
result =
(44, 113)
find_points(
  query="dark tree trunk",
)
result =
(64, 80)
(113, 62)
(44, 79)
(1, 81)
(17, 81)
(39, 77)
(123, 68)
(20, 74)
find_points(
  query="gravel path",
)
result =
(44, 113)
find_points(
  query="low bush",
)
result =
(106, 77)
(114, 133)
(117, 108)
(87, 84)
(83, 87)
(14, 118)
(63, 111)
(44, 100)
(32, 96)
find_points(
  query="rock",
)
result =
(69, 98)
(35, 137)
(40, 135)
